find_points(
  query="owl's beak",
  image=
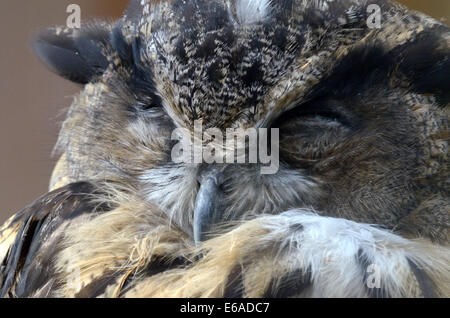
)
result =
(207, 204)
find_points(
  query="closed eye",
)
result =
(328, 116)
(330, 112)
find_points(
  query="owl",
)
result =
(359, 202)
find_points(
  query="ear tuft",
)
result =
(77, 55)
(134, 10)
(427, 63)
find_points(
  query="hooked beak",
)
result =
(207, 204)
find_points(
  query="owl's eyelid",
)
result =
(328, 110)
(327, 115)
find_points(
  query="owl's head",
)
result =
(361, 109)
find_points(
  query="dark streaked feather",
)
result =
(427, 286)
(28, 266)
(289, 285)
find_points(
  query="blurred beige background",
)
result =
(33, 101)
